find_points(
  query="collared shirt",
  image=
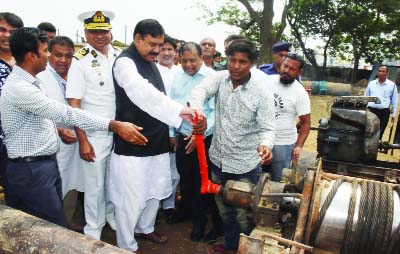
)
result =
(386, 92)
(269, 69)
(244, 119)
(28, 117)
(218, 67)
(5, 70)
(60, 81)
(183, 84)
(90, 80)
(168, 75)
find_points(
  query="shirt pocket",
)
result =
(387, 93)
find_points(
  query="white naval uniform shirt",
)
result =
(90, 79)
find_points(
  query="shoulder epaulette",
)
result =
(94, 54)
(81, 53)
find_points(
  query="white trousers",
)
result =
(95, 187)
(170, 201)
(143, 218)
(137, 184)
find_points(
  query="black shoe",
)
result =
(213, 235)
(197, 233)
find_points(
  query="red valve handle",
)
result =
(207, 186)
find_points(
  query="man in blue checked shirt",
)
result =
(386, 91)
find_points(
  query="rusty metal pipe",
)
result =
(303, 210)
(289, 242)
(25, 234)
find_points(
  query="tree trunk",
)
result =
(355, 68)
(266, 36)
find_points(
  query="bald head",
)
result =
(208, 47)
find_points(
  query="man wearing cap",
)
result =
(90, 87)
(140, 176)
(279, 53)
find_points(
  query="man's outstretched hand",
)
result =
(189, 115)
(128, 132)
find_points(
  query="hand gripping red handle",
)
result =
(206, 185)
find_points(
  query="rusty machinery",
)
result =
(353, 207)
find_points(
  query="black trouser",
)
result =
(3, 163)
(383, 115)
(192, 201)
(35, 188)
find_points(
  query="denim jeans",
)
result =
(282, 157)
(236, 219)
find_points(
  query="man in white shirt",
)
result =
(291, 101)
(386, 91)
(168, 71)
(54, 80)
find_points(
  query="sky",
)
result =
(180, 18)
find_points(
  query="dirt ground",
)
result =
(178, 242)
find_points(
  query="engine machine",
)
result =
(341, 200)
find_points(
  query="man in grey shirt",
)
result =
(244, 132)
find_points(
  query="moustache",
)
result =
(154, 53)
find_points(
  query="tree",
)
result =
(254, 20)
(369, 26)
(312, 18)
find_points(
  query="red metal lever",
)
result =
(206, 185)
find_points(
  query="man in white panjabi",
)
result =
(140, 175)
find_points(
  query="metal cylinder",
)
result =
(331, 233)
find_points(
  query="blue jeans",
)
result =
(282, 157)
(236, 220)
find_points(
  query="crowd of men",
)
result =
(118, 126)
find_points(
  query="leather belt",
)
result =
(32, 158)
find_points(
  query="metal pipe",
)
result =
(289, 242)
(25, 234)
(285, 194)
